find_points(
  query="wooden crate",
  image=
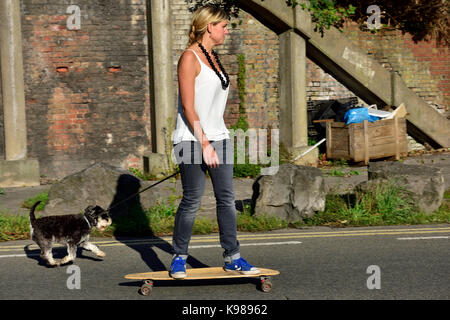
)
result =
(365, 141)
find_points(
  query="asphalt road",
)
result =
(407, 262)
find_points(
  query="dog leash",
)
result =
(89, 224)
(145, 189)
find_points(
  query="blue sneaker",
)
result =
(178, 268)
(241, 266)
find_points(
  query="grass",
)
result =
(43, 197)
(14, 227)
(384, 205)
(339, 173)
(251, 223)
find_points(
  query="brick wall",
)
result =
(86, 90)
(424, 66)
(322, 86)
(261, 49)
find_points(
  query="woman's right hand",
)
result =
(210, 156)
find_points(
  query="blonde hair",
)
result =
(202, 17)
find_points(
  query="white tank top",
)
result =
(209, 102)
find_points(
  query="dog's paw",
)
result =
(66, 260)
(101, 254)
(53, 264)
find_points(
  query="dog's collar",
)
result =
(90, 227)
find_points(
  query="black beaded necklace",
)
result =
(226, 82)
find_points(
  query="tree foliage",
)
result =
(423, 19)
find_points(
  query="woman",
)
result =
(201, 140)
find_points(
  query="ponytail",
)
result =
(192, 36)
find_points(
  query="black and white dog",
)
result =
(72, 230)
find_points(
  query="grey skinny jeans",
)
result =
(193, 176)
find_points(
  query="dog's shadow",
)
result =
(130, 220)
(58, 253)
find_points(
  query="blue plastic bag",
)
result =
(357, 115)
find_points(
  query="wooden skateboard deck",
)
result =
(202, 274)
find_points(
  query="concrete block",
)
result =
(309, 159)
(19, 173)
(156, 164)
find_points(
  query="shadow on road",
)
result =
(131, 220)
(58, 254)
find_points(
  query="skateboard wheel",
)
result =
(266, 286)
(147, 288)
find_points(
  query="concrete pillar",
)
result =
(293, 100)
(163, 93)
(12, 81)
(16, 170)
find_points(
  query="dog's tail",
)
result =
(32, 216)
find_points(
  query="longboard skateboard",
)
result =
(202, 274)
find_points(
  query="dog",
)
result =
(72, 230)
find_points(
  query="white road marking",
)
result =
(191, 247)
(18, 255)
(423, 238)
